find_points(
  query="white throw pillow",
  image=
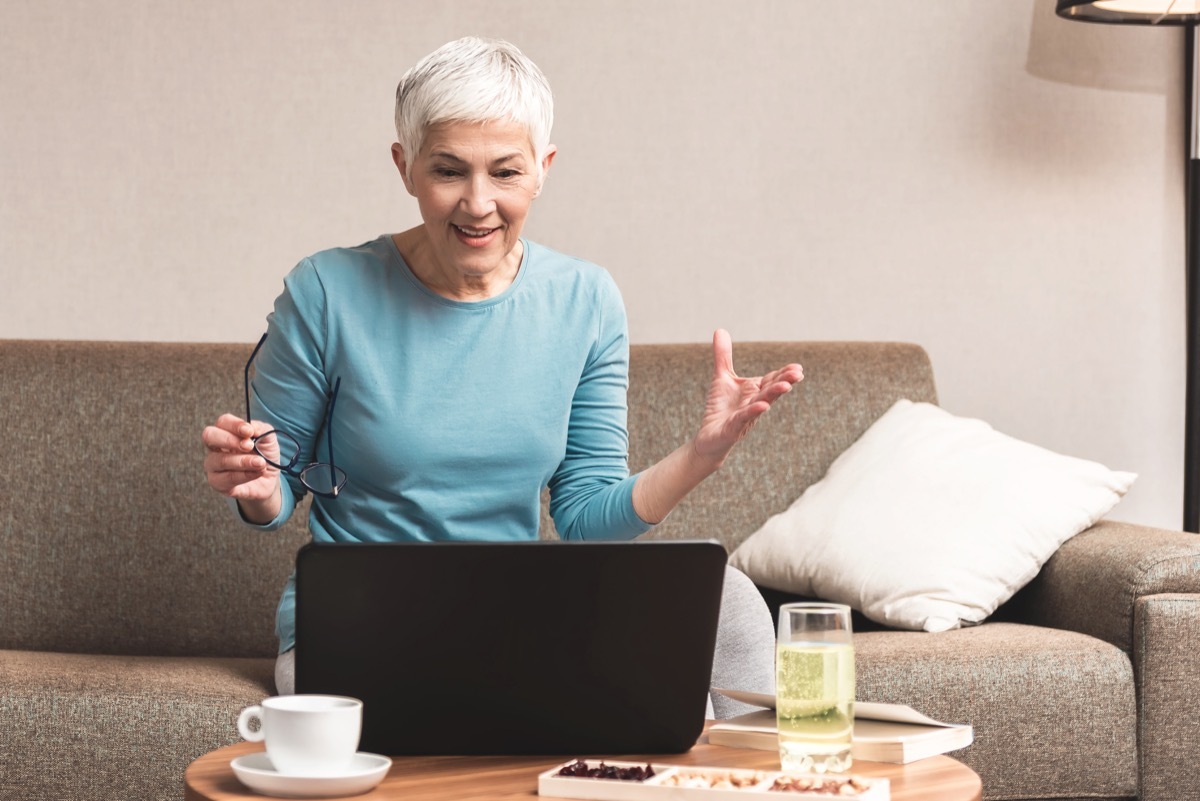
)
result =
(929, 521)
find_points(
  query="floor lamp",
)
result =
(1184, 13)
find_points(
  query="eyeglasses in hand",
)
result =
(281, 450)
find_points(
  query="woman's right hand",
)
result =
(236, 471)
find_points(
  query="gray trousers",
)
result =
(744, 658)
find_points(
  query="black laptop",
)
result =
(571, 648)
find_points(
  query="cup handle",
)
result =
(243, 724)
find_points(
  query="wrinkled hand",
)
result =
(231, 465)
(734, 403)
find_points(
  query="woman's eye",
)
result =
(444, 172)
(507, 175)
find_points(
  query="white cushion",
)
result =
(929, 521)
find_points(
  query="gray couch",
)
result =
(136, 615)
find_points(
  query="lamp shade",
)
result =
(1132, 12)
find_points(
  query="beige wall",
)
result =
(1000, 186)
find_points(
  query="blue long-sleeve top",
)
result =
(451, 416)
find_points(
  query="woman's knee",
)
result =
(285, 672)
(744, 658)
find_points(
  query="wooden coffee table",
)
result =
(210, 778)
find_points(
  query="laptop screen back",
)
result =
(513, 648)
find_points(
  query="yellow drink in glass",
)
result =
(814, 699)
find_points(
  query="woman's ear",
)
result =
(402, 166)
(547, 160)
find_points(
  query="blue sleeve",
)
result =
(287, 506)
(289, 387)
(591, 492)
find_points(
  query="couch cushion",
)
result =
(118, 727)
(1051, 709)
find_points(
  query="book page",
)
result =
(896, 713)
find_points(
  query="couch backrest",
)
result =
(112, 542)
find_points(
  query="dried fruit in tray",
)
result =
(581, 769)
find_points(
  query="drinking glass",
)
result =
(814, 687)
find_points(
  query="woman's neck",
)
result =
(446, 280)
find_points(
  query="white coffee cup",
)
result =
(306, 735)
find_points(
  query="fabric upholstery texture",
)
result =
(81, 726)
(132, 632)
(1091, 583)
(92, 431)
(1167, 654)
(1068, 697)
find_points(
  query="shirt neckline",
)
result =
(406, 270)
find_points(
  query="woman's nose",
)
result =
(478, 199)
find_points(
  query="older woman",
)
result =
(464, 368)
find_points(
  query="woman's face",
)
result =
(474, 184)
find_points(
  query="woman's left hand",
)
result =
(732, 407)
(734, 403)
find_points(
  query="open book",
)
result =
(882, 732)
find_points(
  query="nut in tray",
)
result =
(607, 780)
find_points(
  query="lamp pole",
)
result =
(1191, 444)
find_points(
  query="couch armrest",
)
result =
(1166, 660)
(1092, 584)
(1139, 589)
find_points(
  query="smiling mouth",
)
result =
(473, 233)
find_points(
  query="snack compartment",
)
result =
(693, 783)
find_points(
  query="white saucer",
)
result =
(256, 772)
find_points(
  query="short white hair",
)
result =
(473, 80)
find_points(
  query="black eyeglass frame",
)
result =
(301, 473)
